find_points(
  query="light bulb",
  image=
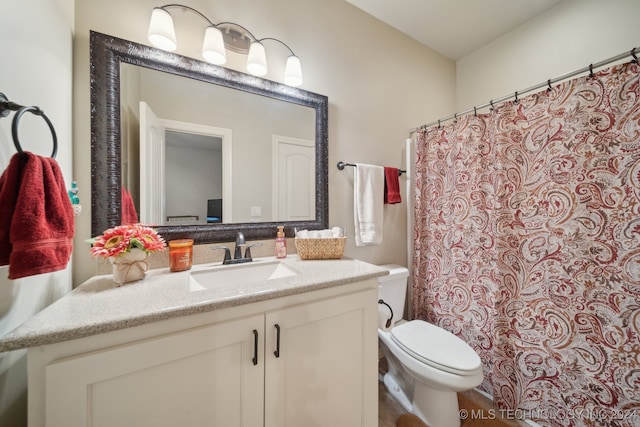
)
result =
(213, 46)
(161, 32)
(293, 71)
(257, 60)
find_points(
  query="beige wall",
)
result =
(36, 53)
(379, 82)
(570, 36)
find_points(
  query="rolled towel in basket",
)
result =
(320, 234)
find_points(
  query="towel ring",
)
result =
(38, 112)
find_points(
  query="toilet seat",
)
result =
(436, 347)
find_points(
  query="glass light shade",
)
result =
(213, 46)
(257, 60)
(293, 71)
(161, 32)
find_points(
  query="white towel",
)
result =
(368, 201)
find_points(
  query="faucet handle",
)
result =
(247, 252)
(227, 253)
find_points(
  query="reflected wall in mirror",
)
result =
(246, 133)
(199, 136)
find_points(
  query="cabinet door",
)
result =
(200, 377)
(325, 372)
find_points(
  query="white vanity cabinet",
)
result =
(324, 372)
(199, 377)
(306, 360)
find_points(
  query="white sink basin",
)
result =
(240, 274)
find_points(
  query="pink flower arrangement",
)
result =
(121, 239)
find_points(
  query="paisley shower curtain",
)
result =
(527, 246)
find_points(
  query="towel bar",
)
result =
(341, 166)
(6, 106)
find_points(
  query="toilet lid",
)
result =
(436, 347)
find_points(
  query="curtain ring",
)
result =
(491, 103)
(475, 112)
(455, 117)
(590, 70)
(633, 54)
(516, 97)
(438, 123)
(38, 112)
(549, 88)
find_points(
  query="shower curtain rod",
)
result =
(548, 84)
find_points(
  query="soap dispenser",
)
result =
(281, 243)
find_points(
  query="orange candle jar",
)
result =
(180, 254)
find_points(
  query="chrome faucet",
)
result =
(239, 244)
(238, 258)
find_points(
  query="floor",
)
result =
(389, 410)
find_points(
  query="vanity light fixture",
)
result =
(220, 37)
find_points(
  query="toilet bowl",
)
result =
(427, 365)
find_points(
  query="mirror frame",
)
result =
(106, 54)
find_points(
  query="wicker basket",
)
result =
(321, 248)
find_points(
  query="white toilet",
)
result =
(427, 364)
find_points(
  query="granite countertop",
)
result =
(98, 306)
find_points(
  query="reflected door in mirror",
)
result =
(294, 180)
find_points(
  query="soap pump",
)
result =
(281, 243)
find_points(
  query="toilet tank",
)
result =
(393, 289)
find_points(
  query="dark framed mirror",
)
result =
(108, 54)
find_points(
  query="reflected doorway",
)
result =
(193, 178)
(182, 166)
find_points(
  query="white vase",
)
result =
(130, 266)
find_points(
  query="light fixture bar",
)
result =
(279, 41)
(233, 24)
(218, 37)
(166, 6)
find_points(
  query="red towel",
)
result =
(9, 190)
(127, 209)
(391, 186)
(36, 216)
